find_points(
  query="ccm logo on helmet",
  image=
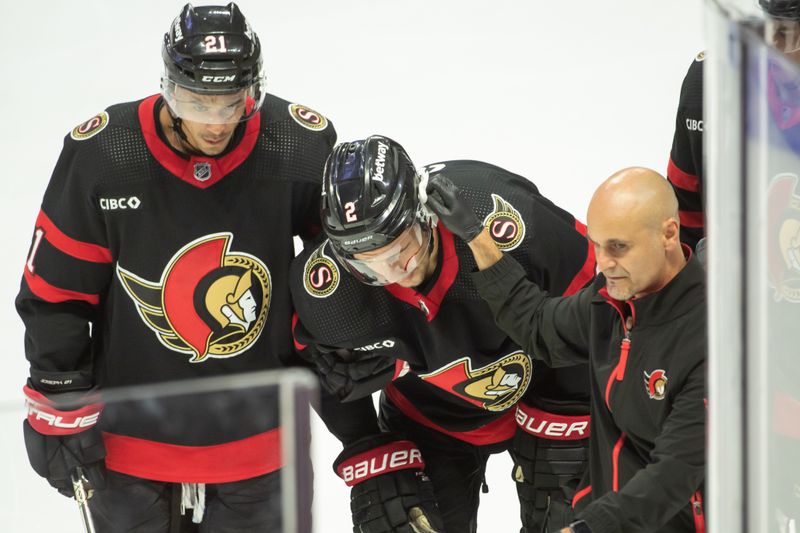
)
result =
(110, 204)
(218, 79)
(380, 464)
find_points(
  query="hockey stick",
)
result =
(82, 496)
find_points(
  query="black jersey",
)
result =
(180, 266)
(685, 170)
(457, 371)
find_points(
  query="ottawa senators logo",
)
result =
(321, 275)
(307, 117)
(495, 387)
(656, 384)
(505, 224)
(210, 302)
(783, 230)
(90, 128)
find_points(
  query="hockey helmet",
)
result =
(782, 29)
(371, 211)
(212, 65)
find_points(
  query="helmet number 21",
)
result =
(215, 43)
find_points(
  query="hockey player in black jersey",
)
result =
(162, 252)
(386, 303)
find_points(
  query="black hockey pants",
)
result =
(134, 505)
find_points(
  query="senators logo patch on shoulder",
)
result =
(321, 275)
(90, 128)
(505, 224)
(210, 302)
(494, 387)
(307, 117)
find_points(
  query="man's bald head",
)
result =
(641, 195)
(633, 223)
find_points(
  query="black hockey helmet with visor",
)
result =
(212, 66)
(782, 29)
(371, 212)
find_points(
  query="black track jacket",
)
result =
(647, 451)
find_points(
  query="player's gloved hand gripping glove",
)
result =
(390, 492)
(449, 204)
(58, 440)
(350, 375)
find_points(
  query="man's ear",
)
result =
(672, 232)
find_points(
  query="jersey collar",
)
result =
(199, 171)
(429, 303)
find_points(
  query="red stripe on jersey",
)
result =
(498, 430)
(80, 250)
(53, 294)
(220, 463)
(297, 344)
(691, 219)
(184, 168)
(615, 463)
(580, 494)
(587, 271)
(682, 180)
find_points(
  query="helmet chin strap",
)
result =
(177, 127)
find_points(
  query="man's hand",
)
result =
(449, 204)
(390, 492)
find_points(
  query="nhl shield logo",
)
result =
(210, 302)
(494, 387)
(321, 275)
(656, 384)
(202, 171)
(505, 224)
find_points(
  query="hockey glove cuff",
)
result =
(60, 439)
(390, 492)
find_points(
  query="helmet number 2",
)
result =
(350, 212)
(215, 43)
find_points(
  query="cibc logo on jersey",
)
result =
(210, 302)
(494, 387)
(321, 275)
(505, 224)
(783, 237)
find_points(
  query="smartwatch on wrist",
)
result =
(579, 526)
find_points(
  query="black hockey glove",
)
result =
(352, 375)
(449, 204)
(390, 492)
(59, 441)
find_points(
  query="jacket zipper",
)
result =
(619, 371)
(697, 512)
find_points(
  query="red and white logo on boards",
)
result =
(656, 384)
(209, 302)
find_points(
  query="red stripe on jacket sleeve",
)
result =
(587, 271)
(691, 219)
(53, 294)
(77, 249)
(682, 180)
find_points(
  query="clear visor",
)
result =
(209, 108)
(394, 262)
(783, 34)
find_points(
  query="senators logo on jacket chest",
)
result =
(494, 387)
(210, 302)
